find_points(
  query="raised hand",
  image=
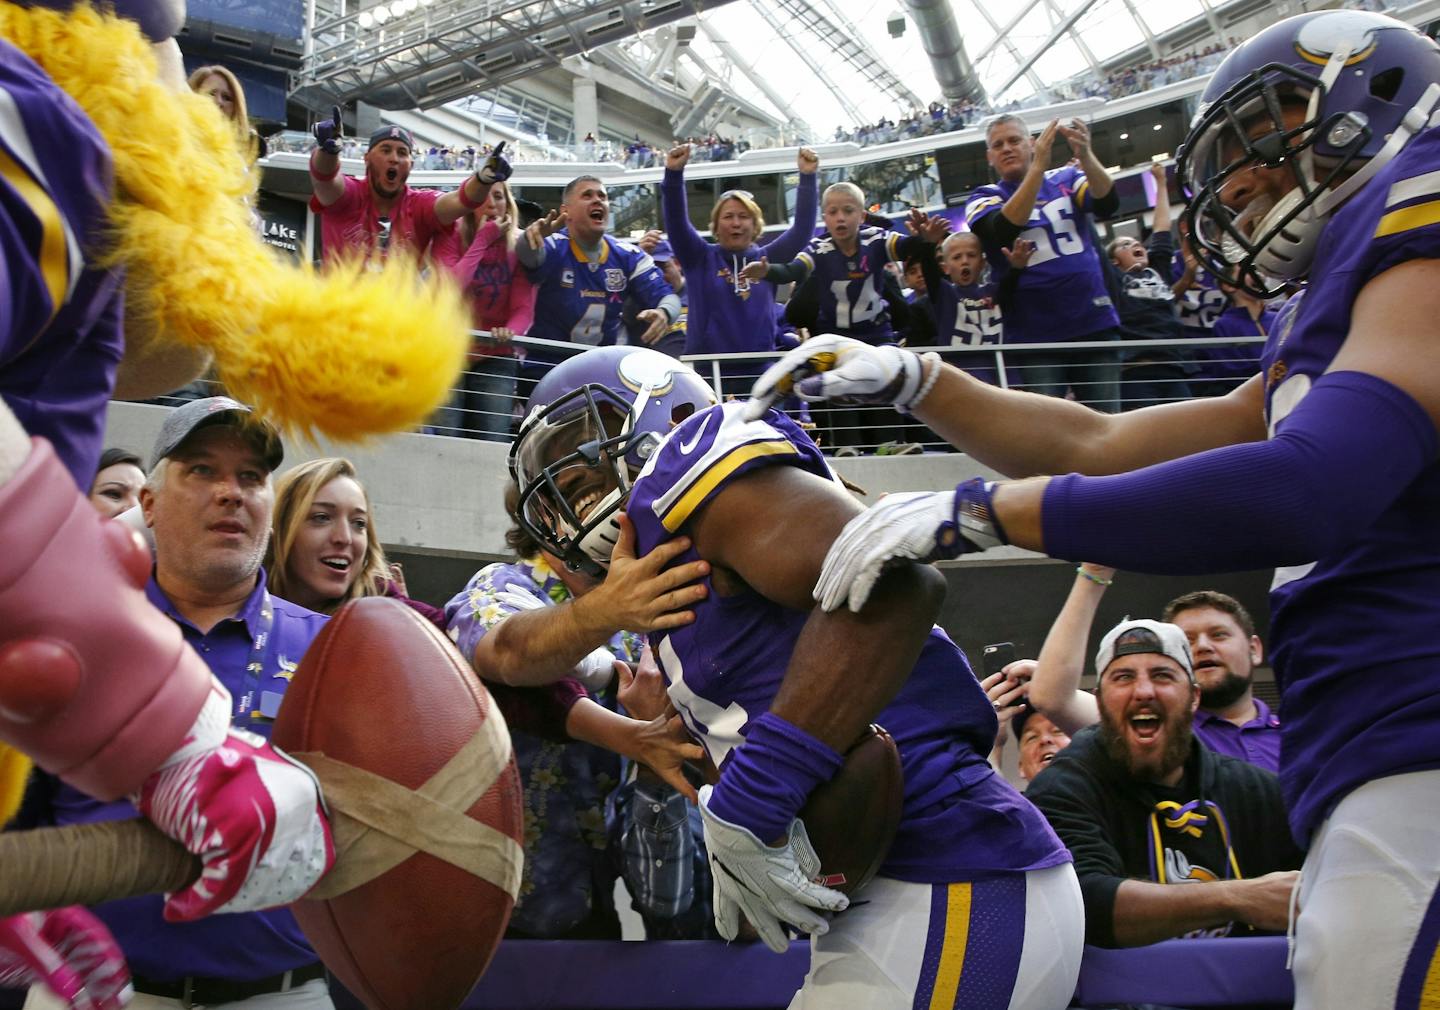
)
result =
(1019, 256)
(1077, 135)
(657, 322)
(807, 161)
(328, 132)
(755, 270)
(544, 227)
(934, 229)
(494, 168)
(1044, 144)
(650, 240)
(677, 157)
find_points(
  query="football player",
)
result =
(1313, 155)
(583, 274)
(976, 904)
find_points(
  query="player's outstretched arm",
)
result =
(1059, 435)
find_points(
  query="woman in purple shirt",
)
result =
(727, 312)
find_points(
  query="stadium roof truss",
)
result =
(422, 53)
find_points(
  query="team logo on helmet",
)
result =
(1322, 38)
(647, 368)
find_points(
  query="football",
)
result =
(382, 695)
(851, 820)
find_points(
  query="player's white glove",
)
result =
(595, 671)
(919, 526)
(771, 886)
(830, 367)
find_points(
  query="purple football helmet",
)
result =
(590, 425)
(1358, 87)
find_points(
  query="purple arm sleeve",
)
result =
(766, 781)
(675, 214)
(539, 711)
(802, 228)
(1351, 446)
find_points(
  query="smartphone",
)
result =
(994, 658)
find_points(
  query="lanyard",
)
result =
(255, 662)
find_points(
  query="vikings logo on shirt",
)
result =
(740, 284)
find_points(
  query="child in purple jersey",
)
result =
(848, 264)
(1324, 464)
(775, 689)
(969, 307)
(728, 312)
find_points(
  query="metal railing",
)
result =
(489, 397)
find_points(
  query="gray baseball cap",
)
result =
(188, 417)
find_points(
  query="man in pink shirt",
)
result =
(380, 213)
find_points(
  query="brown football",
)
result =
(381, 689)
(851, 820)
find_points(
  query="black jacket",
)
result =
(1104, 817)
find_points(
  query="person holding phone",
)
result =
(1006, 684)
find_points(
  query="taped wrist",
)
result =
(768, 779)
(1336, 463)
(976, 527)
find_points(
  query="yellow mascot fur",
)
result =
(347, 354)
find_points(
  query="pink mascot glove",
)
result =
(253, 815)
(68, 951)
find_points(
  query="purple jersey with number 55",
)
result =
(1354, 646)
(960, 817)
(1061, 293)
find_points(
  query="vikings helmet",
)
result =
(589, 427)
(1366, 84)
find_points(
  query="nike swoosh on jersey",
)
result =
(686, 448)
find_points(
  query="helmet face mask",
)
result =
(579, 452)
(1319, 101)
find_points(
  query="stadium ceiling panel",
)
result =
(405, 54)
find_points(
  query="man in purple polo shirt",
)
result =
(209, 501)
(1230, 719)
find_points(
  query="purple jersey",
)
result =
(1354, 645)
(852, 302)
(1201, 306)
(729, 314)
(583, 300)
(1235, 361)
(60, 321)
(969, 316)
(960, 818)
(1061, 293)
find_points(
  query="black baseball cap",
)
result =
(189, 417)
(391, 132)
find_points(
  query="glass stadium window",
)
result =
(899, 183)
(634, 208)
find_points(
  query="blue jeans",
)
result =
(484, 401)
(1093, 375)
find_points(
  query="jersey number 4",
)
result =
(591, 326)
(867, 305)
